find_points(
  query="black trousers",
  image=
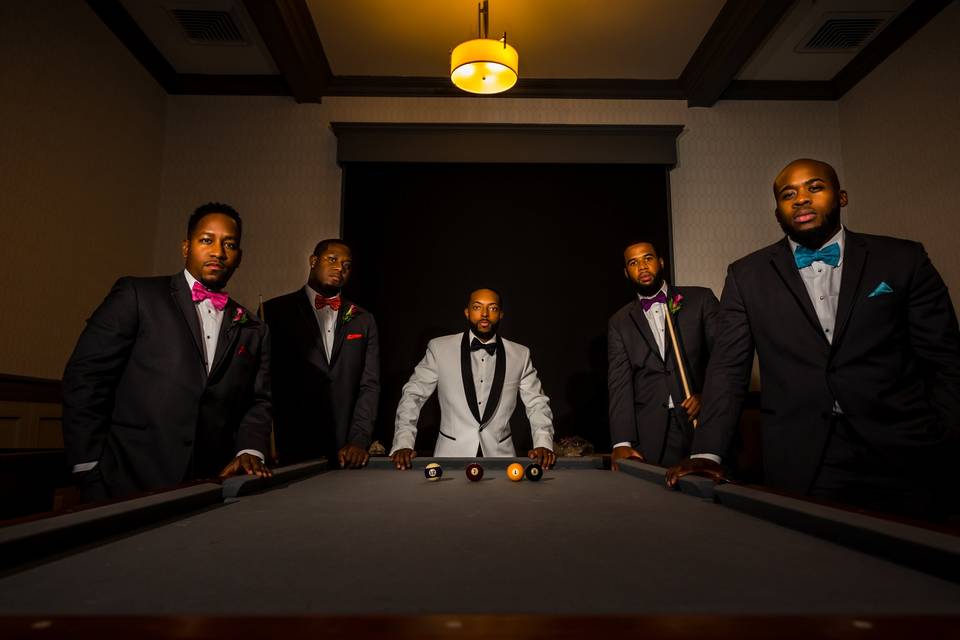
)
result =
(853, 472)
(677, 440)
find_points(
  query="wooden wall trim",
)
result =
(507, 143)
(25, 389)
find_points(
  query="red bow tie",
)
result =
(320, 302)
(200, 292)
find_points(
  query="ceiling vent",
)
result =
(204, 26)
(842, 32)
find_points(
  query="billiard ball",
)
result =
(515, 472)
(534, 471)
(432, 471)
(474, 472)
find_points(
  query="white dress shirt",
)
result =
(483, 366)
(326, 318)
(822, 282)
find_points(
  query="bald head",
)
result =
(818, 167)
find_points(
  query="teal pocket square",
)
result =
(881, 289)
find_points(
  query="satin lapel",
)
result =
(499, 374)
(466, 371)
(640, 320)
(311, 327)
(784, 264)
(339, 332)
(854, 257)
(181, 295)
(229, 331)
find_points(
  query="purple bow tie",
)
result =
(646, 303)
(200, 292)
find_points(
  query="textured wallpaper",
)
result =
(80, 144)
(276, 162)
(900, 134)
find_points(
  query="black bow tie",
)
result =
(489, 347)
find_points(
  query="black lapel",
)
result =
(340, 331)
(310, 324)
(783, 262)
(640, 320)
(854, 257)
(229, 331)
(499, 374)
(181, 295)
(466, 371)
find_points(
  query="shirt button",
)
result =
(819, 270)
(821, 297)
(827, 330)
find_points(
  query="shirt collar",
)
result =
(492, 340)
(839, 237)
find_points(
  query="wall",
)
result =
(276, 162)
(80, 163)
(900, 132)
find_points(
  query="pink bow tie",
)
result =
(200, 292)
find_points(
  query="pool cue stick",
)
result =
(679, 358)
(274, 459)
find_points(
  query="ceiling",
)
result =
(699, 50)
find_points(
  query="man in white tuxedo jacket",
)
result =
(478, 375)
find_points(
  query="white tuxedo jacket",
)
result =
(447, 368)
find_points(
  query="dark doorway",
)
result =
(548, 236)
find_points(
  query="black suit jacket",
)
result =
(137, 397)
(322, 405)
(893, 365)
(639, 380)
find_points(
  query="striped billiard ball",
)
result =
(432, 471)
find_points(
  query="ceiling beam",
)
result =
(739, 29)
(127, 31)
(288, 30)
(887, 41)
(442, 87)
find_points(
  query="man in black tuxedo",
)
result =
(326, 365)
(859, 358)
(650, 415)
(169, 380)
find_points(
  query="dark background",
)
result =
(550, 238)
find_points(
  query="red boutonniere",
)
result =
(240, 316)
(675, 304)
(348, 315)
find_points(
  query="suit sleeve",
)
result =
(623, 427)
(93, 371)
(710, 317)
(728, 374)
(254, 430)
(417, 390)
(935, 340)
(368, 392)
(537, 405)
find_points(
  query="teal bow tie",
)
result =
(805, 257)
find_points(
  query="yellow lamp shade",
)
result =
(484, 66)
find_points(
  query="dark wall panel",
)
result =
(549, 237)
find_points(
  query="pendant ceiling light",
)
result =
(484, 65)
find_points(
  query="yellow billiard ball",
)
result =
(432, 471)
(515, 472)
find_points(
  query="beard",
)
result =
(650, 289)
(489, 333)
(815, 237)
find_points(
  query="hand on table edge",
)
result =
(352, 456)
(621, 453)
(695, 466)
(403, 458)
(246, 463)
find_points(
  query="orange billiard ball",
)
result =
(515, 472)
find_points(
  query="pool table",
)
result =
(584, 550)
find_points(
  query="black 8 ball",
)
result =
(534, 472)
(474, 472)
